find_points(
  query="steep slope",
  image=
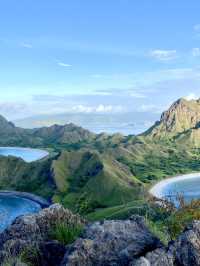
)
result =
(182, 116)
(10, 134)
(67, 134)
(15, 174)
(85, 181)
(95, 172)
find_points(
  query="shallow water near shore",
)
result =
(187, 185)
(12, 207)
(27, 154)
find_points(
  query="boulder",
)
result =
(107, 243)
(111, 243)
(184, 251)
(32, 232)
(187, 246)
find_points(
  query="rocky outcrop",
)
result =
(183, 115)
(123, 243)
(33, 232)
(184, 251)
(130, 243)
(112, 243)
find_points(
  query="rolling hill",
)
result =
(96, 172)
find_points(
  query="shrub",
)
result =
(184, 215)
(167, 220)
(159, 230)
(65, 233)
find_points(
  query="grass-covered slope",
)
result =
(102, 175)
(69, 134)
(86, 181)
(36, 177)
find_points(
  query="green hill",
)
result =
(89, 180)
(93, 174)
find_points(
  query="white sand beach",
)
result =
(158, 189)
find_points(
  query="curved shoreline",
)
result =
(157, 190)
(43, 153)
(41, 201)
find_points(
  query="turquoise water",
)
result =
(27, 154)
(12, 207)
(188, 188)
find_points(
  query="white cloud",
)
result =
(63, 64)
(196, 52)
(26, 45)
(191, 96)
(101, 108)
(164, 55)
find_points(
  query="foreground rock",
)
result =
(182, 252)
(112, 243)
(32, 232)
(102, 243)
(130, 243)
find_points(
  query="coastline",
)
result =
(41, 201)
(43, 153)
(158, 188)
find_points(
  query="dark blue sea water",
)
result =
(27, 154)
(12, 207)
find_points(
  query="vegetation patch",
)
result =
(66, 233)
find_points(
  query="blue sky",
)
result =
(97, 56)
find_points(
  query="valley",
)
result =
(97, 173)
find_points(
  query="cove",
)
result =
(13, 206)
(186, 185)
(27, 154)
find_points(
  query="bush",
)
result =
(166, 220)
(184, 215)
(65, 233)
(159, 230)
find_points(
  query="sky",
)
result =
(108, 56)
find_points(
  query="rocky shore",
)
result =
(115, 242)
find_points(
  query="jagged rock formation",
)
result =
(91, 172)
(184, 251)
(33, 232)
(112, 243)
(182, 116)
(130, 243)
(124, 243)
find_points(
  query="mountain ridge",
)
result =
(93, 172)
(182, 116)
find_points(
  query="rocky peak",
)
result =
(180, 117)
